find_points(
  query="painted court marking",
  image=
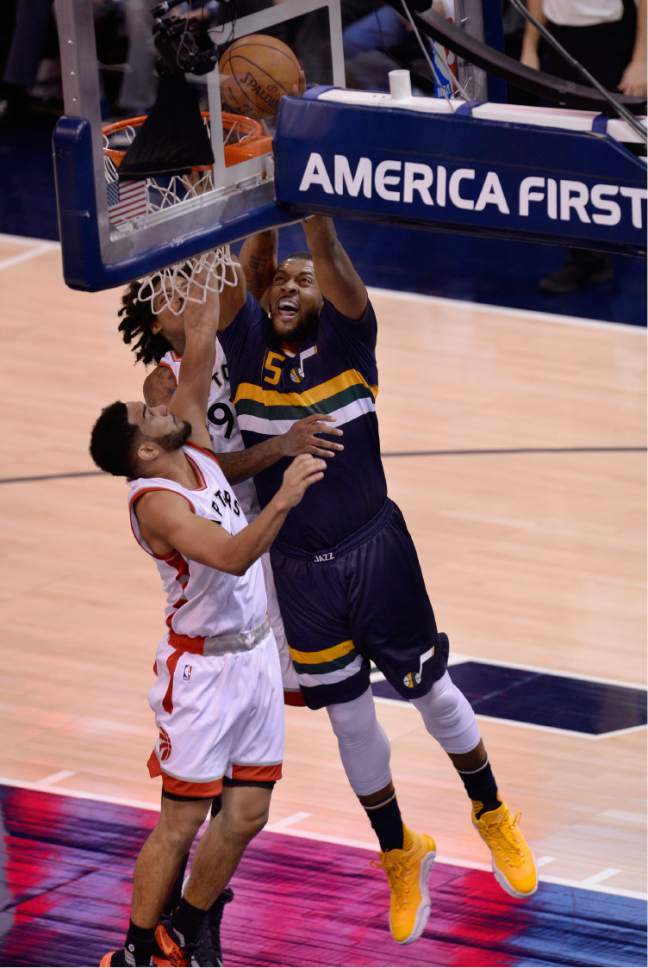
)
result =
(387, 455)
(288, 821)
(53, 778)
(25, 256)
(591, 884)
(493, 309)
(458, 657)
(626, 816)
(589, 737)
(42, 246)
(600, 876)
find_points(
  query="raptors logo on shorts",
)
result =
(164, 745)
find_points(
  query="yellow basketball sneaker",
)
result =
(407, 870)
(512, 858)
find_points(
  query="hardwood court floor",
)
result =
(514, 444)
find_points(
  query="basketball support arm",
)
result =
(546, 86)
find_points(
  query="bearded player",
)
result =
(218, 697)
(348, 578)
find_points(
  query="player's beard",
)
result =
(176, 439)
(304, 330)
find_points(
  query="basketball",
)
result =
(256, 71)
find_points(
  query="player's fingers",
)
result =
(317, 418)
(318, 452)
(311, 465)
(313, 478)
(329, 443)
(305, 462)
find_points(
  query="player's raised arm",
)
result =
(304, 437)
(189, 402)
(169, 524)
(159, 386)
(232, 298)
(336, 276)
(259, 262)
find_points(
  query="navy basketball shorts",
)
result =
(362, 600)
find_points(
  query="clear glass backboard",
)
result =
(113, 229)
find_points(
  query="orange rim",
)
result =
(252, 144)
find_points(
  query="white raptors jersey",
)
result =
(221, 420)
(202, 601)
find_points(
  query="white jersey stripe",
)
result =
(344, 415)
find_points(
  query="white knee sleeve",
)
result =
(364, 747)
(448, 716)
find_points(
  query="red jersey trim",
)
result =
(183, 788)
(187, 643)
(260, 774)
(197, 471)
(134, 498)
(204, 450)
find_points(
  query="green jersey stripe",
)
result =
(273, 412)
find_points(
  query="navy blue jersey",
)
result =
(335, 373)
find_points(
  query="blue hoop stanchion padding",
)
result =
(458, 172)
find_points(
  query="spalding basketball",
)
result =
(256, 71)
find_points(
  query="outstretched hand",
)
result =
(303, 437)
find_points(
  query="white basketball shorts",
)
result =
(217, 716)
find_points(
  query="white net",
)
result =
(189, 281)
(174, 286)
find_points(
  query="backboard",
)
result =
(110, 231)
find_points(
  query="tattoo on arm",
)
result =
(258, 273)
(259, 260)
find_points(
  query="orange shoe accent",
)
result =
(106, 960)
(172, 953)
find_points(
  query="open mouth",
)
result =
(287, 308)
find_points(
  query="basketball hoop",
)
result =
(131, 199)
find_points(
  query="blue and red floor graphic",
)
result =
(65, 879)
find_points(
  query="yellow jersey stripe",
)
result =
(324, 655)
(343, 381)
